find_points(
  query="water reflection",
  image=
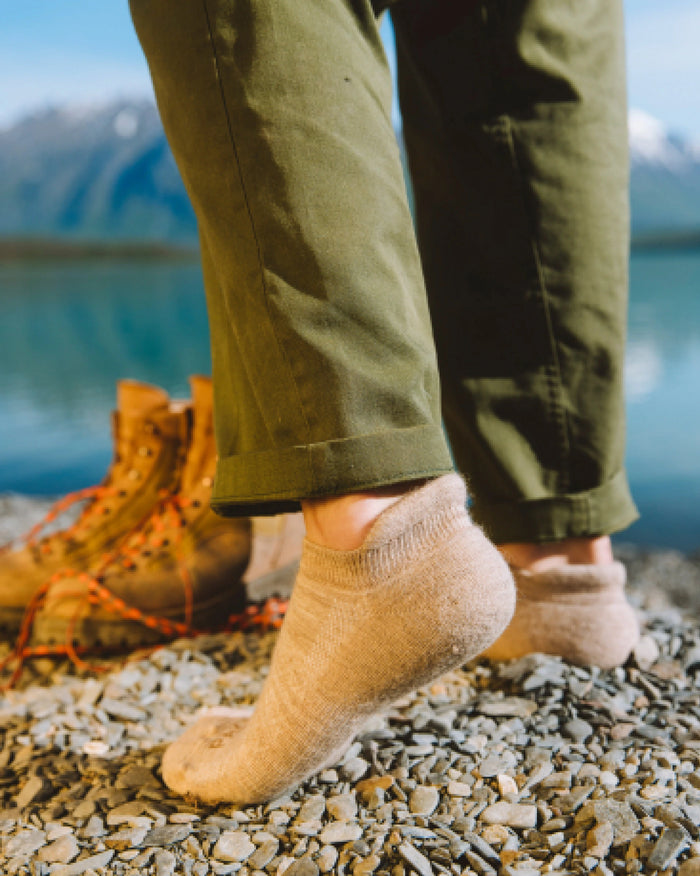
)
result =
(68, 331)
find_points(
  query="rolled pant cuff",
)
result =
(274, 481)
(600, 511)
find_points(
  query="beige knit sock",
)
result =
(424, 593)
(578, 612)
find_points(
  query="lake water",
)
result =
(69, 330)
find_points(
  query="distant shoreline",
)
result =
(56, 248)
(38, 248)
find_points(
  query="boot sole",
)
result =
(123, 634)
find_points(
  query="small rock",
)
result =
(340, 832)
(264, 853)
(646, 652)
(128, 838)
(495, 834)
(342, 807)
(599, 839)
(511, 814)
(578, 730)
(94, 828)
(667, 848)
(165, 862)
(617, 813)
(459, 789)
(352, 770)
(166, 835)
(34, 791)
(424, 800)
(326, 858)
(312, 809)
(415, 859)
(233, 845)
(60, 851)
(302, 867)
(122, 710)
(24, 843)
(371, 784)
(77, 868)
(506, 785)
(365, 866)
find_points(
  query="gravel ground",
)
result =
(528, 767)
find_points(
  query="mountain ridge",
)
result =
(106, 172)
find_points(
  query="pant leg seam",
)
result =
(258, 247)
(553, 371)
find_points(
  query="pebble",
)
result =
(427, 777)
(302, 867)
(578, 729)
(415, 859)
(340, 832)
(511, 814)
(424, 800)
(92, 862)
(233, 845)
(342, 807)
(327, 858)
(165, 862)
(668, 847)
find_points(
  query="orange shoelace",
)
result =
(167, 516)
(31, 538)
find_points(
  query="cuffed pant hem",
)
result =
(601, 511)
(274, 481)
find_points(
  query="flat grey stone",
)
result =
(424, 800)
(415, 859)
(340, 832)
(166, 835)
(93, 862)
(312, 808)
(233, 845)
(326, 858)
(342, 807)
(24, 843)
(302, 867)
(620, 815)
(60, 851)
(511, 814)
(668, 847)
(264, 853)
(165, 862)
(578, 730)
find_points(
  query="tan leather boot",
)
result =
(149, 443)
(179, 575)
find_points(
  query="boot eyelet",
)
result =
(145, 451)
(196, 503)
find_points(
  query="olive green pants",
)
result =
(325, 350)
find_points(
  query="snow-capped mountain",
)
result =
(665, 180)
(107, 172)
(92, 171)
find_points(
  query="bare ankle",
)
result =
(535, 557)
(342, 522)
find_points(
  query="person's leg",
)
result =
(515, 128)
(326, 390)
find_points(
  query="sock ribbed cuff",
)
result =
(413, 526)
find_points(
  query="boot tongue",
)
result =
(201, 456)
(135, 402)
(136, 399)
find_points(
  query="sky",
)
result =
(67, 51)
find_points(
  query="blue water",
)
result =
(68, 331)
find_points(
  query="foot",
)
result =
(571, 603)
(422, 593)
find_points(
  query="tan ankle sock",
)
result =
(578, 612)
(424, 593)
